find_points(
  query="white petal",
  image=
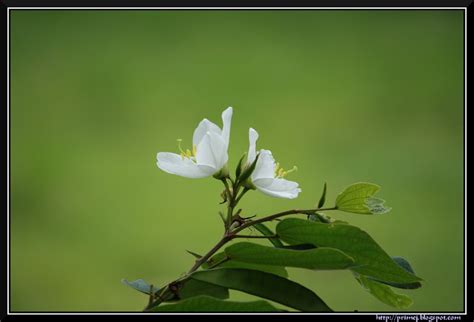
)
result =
(253, 137)
(201, 130)
(226, 121)
(265, 167)
(212, 151)
(278, 187)
(173, 163)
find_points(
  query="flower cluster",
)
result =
(209, 156)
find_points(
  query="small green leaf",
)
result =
(376, 206)
(265, 285)
(219, 257)
(317, 258)
(384, 293)
(140, 285)
(358, 198)
(322, 200)
(248, 170)
(209, 304)
(240, 165)
(265, 231)
(370, 258)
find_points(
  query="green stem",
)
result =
(240, 196)
(230, 202)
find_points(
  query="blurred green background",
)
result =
(346, 96)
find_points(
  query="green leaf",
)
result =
(384, 293)
(358, 198)
(317, 258)
(402, 262)
(248, 170)
(140, 285)
(265, 231)
(265, 285)
(219, 257)
(370, 258)
(322, 200)
(240, 165)
(210, 304)
(193, 287)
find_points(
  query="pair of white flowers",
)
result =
(209, 156)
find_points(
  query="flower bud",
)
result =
(247, 172)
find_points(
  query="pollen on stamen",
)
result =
(281, 173)
(188, 154)
(277, 168)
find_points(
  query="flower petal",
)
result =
(226, 121)
(277, 187)
(201, 130)
(265, 167)
(175, 164)
(212, 151)
(253, 137)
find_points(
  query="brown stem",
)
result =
(214, 249)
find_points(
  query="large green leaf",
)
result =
(265, 231)
(194, 287)
(265, 285)
(359, 198)
(384, 293)
(210, 304)
(370, 258)
(230, 263)
(317, 258)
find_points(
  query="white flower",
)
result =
(209, 153)
(268, 176)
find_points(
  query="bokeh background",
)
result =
(346, 96)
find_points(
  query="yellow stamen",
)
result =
(277, 168)
(295, 168)
(281, 173)
(188, 153)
